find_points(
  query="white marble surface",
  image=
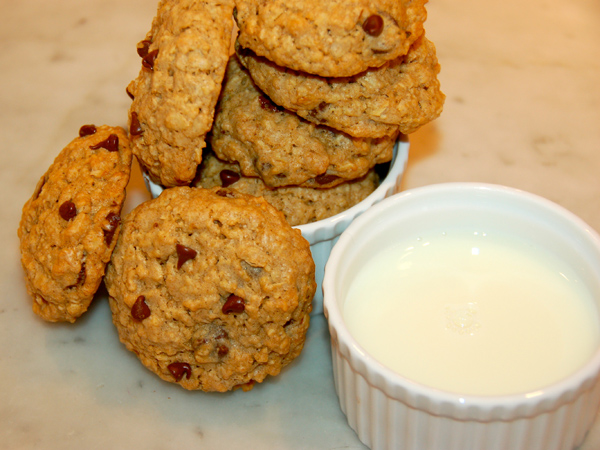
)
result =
(523, 109)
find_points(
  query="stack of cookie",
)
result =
(316, 96)
(312, 100)
(308, 172)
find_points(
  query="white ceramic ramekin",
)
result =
(388, 411)
(323, 234)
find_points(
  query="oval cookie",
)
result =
(70, 225)
(211, 289)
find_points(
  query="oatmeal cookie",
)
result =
(330, 38)
(211, 288)
(299, 205)
(70, 225)
(184, 57)
(402, 94)
(280, 147)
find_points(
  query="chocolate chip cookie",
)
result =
(330, 38)
(211, 288)
(402, 94)
(299, 205)
(280, 147)
(184, 57)
(70, 225)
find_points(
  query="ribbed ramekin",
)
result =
(389, 411)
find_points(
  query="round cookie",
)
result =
(280, 147)
(211, 289)
(330, 38)
(299, 205)
(403, 94)
(70, 225)
(183, 62)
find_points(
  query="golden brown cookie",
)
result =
(70, 225)
(330, 38)
(211, 289)
(299, 205)
(280, 147)
(183, 61)
(402, 94)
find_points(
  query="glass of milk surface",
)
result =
(466, 316)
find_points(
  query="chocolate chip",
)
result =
(377, 51)
(184, 254)
(140, 309)
(80, 277)
(228, 177)
(179, 369)
(314, 113)
(148, 60)
(67, 210)
(111, 143)
(131, 96)
(233, 305)
(142, 47)
(373, 25)
(325, 178)
(87, 130)
(222, 350)
(135, 129)
(268, 105)
(111, 227)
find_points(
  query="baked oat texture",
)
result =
(299, 205)
(280, 147)
(70, 225)
(402, 94)
(184, 58)
(330, 38)
(211, 289)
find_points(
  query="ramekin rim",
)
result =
(535, 402)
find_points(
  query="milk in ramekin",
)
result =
(438, 397)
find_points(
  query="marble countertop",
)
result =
(522, 81)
